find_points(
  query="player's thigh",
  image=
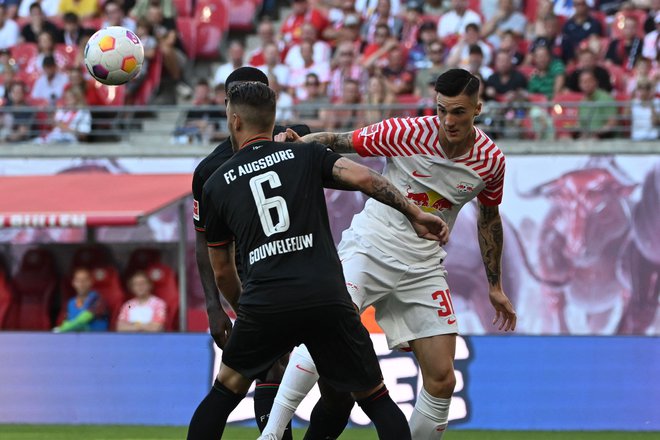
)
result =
(342, 349)
(435, 356)
(258, 341)
(369, 273)
(419, 307)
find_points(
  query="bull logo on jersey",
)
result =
(464, 187)
(429, 201)
(369, 130)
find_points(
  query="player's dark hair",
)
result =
(243, 74)
(256, 102)
(456, 82)
(474, 49)
(35, 5)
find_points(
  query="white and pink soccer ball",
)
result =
(114, 55)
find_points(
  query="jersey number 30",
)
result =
(264, 204)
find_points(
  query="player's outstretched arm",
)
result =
(338, 142)
(355, 176)
(491, 239)
(219, 322)
(224, 270)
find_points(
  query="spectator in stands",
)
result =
(145, 312)
(348, 31)
(113, 15)
(653, 12)
(50, 85)
(412, 22)
(509, 44)
(7, 66)
(46, 47)
(73, 120)
(17, 124)
(338, 15)
(506, 84)
(347, 68)
(87, 86)
(312, 108)
(37, 25)
(49, 7)
(141, 8)
(72, 32)
(80, 53)
(87, 310)
(505, 19)
(552, 38)
(12, 8)
(577, 28)
(273, 67)
(418, 55)
(455, 21)
(428, 75)
(381, 16)
(645, 112)
(652, 41)
(587, 61)
(368, 7)
(291, 30)
(266, 34)
(643, 70)
(322, 50)
(399, 78)
(378, 94)
(537, 27)
(83, 9)
(236, 59)
(598, 119)
(349, 118)
(374, 54)
(625, 51)
(459, 54)
(548, 76)
(284, 102)
(200, 124)
(298, 81)
(476, 63)
(144, 31)
(9, 30)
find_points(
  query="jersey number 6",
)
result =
(264, 204)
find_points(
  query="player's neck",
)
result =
(251, 138)
(457, 149)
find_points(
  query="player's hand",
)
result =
(505, 315)
(220, 326)
(431, 227)
(292, 136)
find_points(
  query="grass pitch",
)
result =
(106, 432)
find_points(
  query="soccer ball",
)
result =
(114, 55)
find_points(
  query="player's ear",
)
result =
(477, 109)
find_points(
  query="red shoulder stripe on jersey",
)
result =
(426, 139)
(358, 144)
(391, 139)
(489, 153)
(412, 130)
(433, 139)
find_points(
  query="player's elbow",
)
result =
(362, 179)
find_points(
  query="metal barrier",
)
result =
(160, 126)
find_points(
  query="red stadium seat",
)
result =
(526, 70)
(618, 77)
(65, 55)
(151, 83)
(34, 287)
(565, 117)
(188, 32)
(184, 8)
(110, 95)
(93, 23)
(24, 53)
(198, 320)
(212, 22)
(242, 15)
(620, 17)
(167, 289)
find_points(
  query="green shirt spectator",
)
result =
(548, 78)
(598, 117)
(142, 6)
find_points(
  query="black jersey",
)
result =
(213, 161)
(269, 198)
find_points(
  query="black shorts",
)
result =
(334, 335)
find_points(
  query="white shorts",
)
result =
(411, 302)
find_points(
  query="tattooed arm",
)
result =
(338, 142)
(491, 240)
(351, 175)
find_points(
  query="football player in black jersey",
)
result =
(269, 199)
(219, 323)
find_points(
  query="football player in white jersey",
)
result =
(441, 162)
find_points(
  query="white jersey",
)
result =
(418, 166)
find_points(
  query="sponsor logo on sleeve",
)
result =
(195, 210)
(369, 131)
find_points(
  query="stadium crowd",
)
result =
(599, 55)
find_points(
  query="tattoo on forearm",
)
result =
(491, 238)
(338, 142)
(386, 193)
